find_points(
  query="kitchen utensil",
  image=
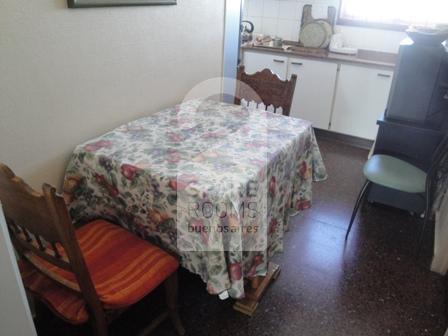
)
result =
(247, 28)
(328, 32)
(316, 33)
(313, 35)
(277, 42)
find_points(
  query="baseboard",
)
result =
(343, 138)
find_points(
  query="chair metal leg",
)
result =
(358, 203)
(424, 226)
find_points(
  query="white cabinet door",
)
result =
(254, 62)
(361, 98)
(313, 96)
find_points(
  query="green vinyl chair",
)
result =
(391, 172)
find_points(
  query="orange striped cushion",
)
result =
(67, 304)
(123, 267)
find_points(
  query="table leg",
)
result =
(255, 291)
(256, 282)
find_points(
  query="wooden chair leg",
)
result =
(41, 311)
(171, 289)
(358, 203)
(99, 325)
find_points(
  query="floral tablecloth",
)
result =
(212, 182)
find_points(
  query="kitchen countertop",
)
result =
(366, 57)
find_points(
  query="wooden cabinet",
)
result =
(313, 96)
(254, 61)
(361, 98)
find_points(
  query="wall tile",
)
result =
(269, 26)
(295, 31)
(270, 9)
(372, 39)
(320, 11)
(245, 10)
(289, 9)
(254, 7)
(285, 29)
(258, 24)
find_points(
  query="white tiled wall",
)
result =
(282, 17)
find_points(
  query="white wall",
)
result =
(283, 17)
(373, 39)
(15, 315)
(70, 75)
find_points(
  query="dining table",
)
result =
(211, 182)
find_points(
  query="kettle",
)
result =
(246, 29)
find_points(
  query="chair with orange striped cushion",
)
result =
(84, 275)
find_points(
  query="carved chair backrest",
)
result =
(267, 88)
(40, 226)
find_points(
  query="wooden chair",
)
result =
(394, 173)
(267, 88)
(90, 274)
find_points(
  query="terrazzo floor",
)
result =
(371, 286)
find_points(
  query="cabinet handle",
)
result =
(278, 61)
(384, 75)
(297, 63)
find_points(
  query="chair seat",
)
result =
(123, 267)
(394, 173)
(65, 303)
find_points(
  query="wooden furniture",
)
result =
(328, 92)
(393, 173)
(255, 289)
(110, 175)
(89, 274)
(267, 88)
